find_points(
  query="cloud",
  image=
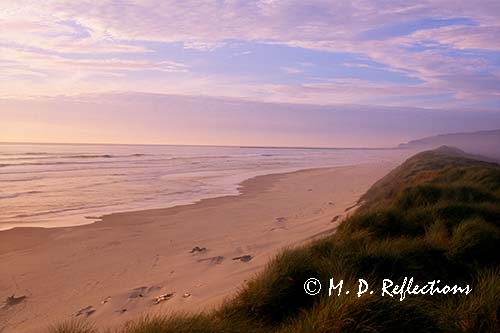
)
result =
(479, 37)
(292, 70)
(64, 66)
(437, 42)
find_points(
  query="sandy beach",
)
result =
(198, 255)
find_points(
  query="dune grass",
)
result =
(74, 326)
(437, 216)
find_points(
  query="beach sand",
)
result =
(112, 271)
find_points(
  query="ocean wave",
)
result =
(89, 156)
(25, 153)
(105, 156)
(75, 162)
(37, 153)
(67, 159)
(15, 195)
(106, 166)
(63, 156)
(57, 211)
(15, 180)
(39, 163)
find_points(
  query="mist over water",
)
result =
(63, 185)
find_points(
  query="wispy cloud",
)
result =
(448, 48)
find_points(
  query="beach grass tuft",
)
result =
(73, 326)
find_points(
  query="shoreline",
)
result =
(133, 257)
(237, 189)
(241, 187)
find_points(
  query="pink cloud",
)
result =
(33, 32)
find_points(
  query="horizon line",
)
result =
(194, 145)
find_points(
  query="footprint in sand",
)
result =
(156, 259)
(213, 260)
(13, 300)
(138, 292)
(153, 288)
(86, 311)
(143, 291)
(280, 223)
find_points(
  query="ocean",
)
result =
(56, 185)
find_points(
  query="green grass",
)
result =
(437, 216)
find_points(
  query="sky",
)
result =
(247, 72)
